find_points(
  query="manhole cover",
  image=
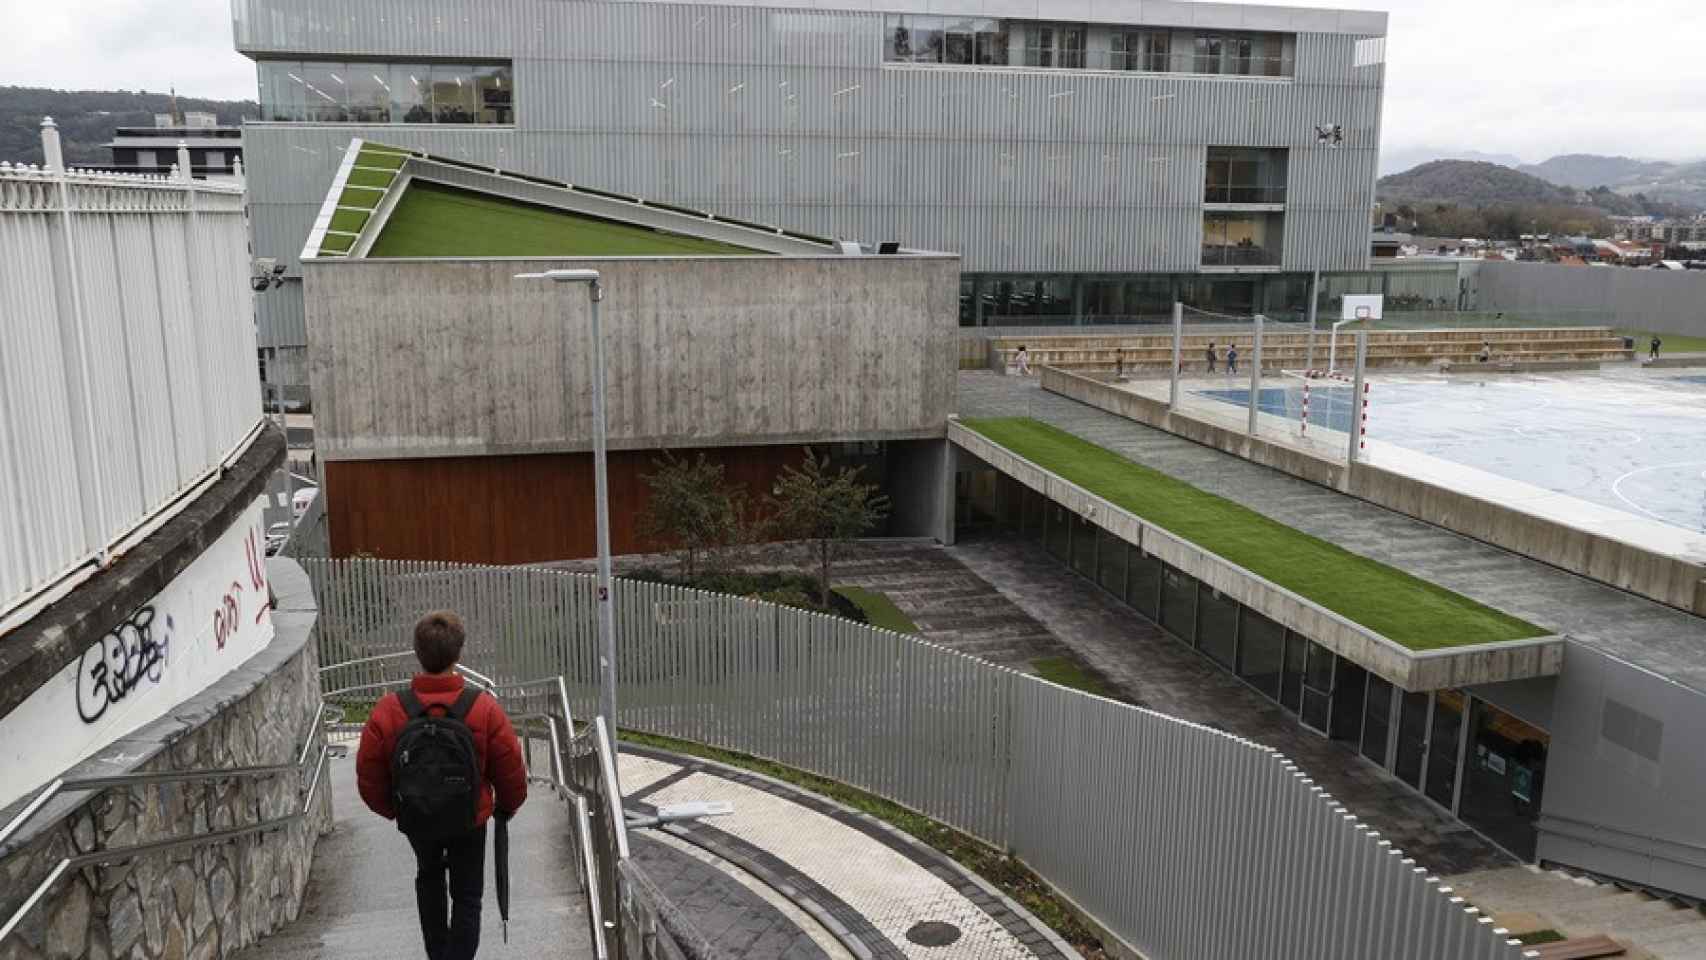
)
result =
(933, 933)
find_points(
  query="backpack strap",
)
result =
(412, 706)
(465, 702)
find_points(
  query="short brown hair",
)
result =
(438, 641)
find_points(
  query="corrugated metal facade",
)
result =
(127, 360)
(789, 116)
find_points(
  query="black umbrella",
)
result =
(500, 868)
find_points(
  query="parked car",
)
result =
(300, 501)
(277, 535)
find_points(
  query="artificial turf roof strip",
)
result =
(1403, 608)
(431, 220)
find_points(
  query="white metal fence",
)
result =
(1184, 841)
(127, 357)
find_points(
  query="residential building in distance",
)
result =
(216, 151)
(1092, 168)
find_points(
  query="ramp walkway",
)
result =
(360, 901)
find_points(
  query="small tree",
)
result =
(693, 508)
(826, 507)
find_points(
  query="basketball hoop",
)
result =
(1364, 313)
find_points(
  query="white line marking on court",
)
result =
(1617, 484)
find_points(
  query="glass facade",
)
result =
(1504, 771)
(985, 42)
(320, 91)
(1217, 626)
(1010, 300)
(1480, 763)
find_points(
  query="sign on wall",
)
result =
(212, 617)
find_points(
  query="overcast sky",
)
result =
(1530, 78)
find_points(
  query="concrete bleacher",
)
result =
(1291, 350)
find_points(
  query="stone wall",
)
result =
(650, 926)
(198, 902)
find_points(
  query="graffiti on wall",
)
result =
(208, 620)
(130, 653)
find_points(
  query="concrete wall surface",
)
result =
(1656, 576)
(456, 358)
(1664, 301)
(201, 901)
(920, 486)
(1625, 775)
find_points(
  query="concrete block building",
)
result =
(453, 417)
(1095, 162)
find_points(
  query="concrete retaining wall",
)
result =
(456, 357)
(1656, 576)
(200, 902)
(1409, 669)
(1660, 300)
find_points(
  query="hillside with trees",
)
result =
(1461, 198)
(1586, 170)
(87, 118)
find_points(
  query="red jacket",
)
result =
(501, 766)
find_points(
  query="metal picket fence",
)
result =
(1182, 840)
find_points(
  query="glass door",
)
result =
(1317, 709)
(1412, 738)
(1443, 737)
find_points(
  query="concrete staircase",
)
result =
(1531, 898)
(1153, 352)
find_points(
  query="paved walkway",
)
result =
(878, 892)
(1528, 898)
(360, 901)
(1641, 631)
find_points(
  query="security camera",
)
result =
(260, 284)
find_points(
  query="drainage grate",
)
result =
(933, 933)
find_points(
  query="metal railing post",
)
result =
(1256, 375)
(1356, 425)
(1178, 339)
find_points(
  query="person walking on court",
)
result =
(1208, 354)
(1653, 350)
(1486, 352)
(1231, 359)
(441, 759)
(1022, 361)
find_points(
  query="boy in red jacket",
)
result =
(503, 785)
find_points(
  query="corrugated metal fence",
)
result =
(1184, 841)
(127, 357)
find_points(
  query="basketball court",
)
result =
(1629, 440)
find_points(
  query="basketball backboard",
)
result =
(1363, 306)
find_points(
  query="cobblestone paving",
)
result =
(865, 880)
(1645, 632)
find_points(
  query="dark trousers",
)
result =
(464, 859)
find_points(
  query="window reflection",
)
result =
(977, 41)
(367, 92)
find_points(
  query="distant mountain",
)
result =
(1473, 183)
(87, 118)
(1396, 161)
(1586, 170)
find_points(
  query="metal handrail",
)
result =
(80, 784)
(119, 854)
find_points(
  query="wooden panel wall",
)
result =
(509, 509)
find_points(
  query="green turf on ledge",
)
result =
(879, 610)
(1398, 606)
(436, 221)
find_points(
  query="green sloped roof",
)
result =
(432, 220)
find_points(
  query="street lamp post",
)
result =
(601, 494)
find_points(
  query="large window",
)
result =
(1147, 50)
(1503, 773)
(981, 41)
(319, 91)
(1179, 603)
(1217, 625)
(1244, 175)
(1242, 239)
(1261, 649)
(1054, 45)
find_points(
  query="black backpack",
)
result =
(435, 769)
